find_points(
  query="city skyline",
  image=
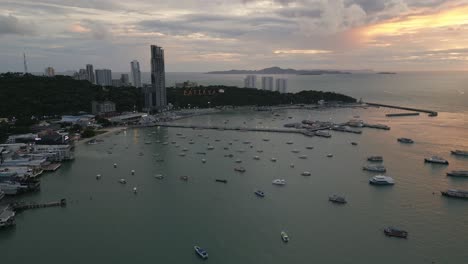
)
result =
(242, 34)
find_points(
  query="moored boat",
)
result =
(239, 169)
(405, 140)
(337, 199)
(159, 176)
(381, 180)
(395, 232)
(375, 168)
(460, 152)
(259, 193)
(221, 180)
(436, 160)
(284, 236)
(184, 178)
(306, 173)
(455, 193)
(375, 158)
(279, 181)
(459, 173)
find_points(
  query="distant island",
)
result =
(278, 70)
(386, 73)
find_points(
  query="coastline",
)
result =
(108, 131)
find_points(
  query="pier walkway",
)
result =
(430, 112)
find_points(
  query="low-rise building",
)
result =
(100, 108)
(186, 84)
(55, 152)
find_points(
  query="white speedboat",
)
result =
(133, 172)
(284, 236)
(210, 148)
(381, 180)
(436, 160)
(306, 173)
(159, 176)
(256, 157)
(279, 181)
(238, 161)
(203, 160)
(273, 159)
(201, 252)
(123, 181)
(98, 176)
(291, 165)
(134, 189)
(303, 157)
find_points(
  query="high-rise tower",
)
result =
(136, 74)
(90, 72)
(155, 96)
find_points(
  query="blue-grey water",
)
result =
(105, 222)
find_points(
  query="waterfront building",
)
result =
(55, 152)
(155, 96)
(124, 79)
(49, 72)
(186, 84)
(267, 83)
(90, 73)
(100, 108)
(250, 81)
(136, 74)
(104, 77)
(281, 85)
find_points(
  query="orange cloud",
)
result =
(312, 51)
(414, 23)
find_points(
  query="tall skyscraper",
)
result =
(49, 72)
(267, 83)
(104, 77)
(136, 74)
(90, 72)
(250, 81)
(281, 85)
(155, 96)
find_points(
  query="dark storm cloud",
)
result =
(12, 25)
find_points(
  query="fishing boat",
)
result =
(284, 237)
(201, 252)
(259, 193)
(395, 232)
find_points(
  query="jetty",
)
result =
(402, 114)
(19, 207)
(306, 132)
(430, 112)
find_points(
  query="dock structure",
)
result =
(306, 132)
(402, 114)
(19, 207)
(430, 112)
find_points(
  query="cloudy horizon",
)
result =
(198, 36)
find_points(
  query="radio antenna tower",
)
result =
(25, 64)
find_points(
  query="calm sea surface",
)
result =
(105, 222)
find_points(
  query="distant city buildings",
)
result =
(102, 108)
(104, 77)
(250, 81)
(124, 79)
(81, 75)
(49, 72)
(267, 83)
(135, 72)
(90, 73)
(186, 84)
(155, 97)
(281, 85)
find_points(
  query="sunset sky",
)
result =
(202, 35)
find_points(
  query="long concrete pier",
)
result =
(306, 132)
(18, 207)
(430, 112)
